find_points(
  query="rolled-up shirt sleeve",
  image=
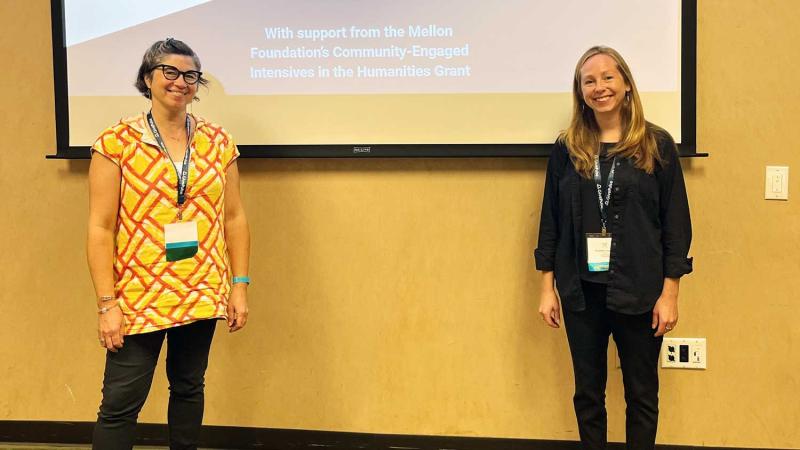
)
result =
(548, 221)
(676, 223)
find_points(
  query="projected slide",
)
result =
(355, 71)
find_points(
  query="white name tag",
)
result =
(598, 251)
(180, 240)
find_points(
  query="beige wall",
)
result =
(398, 296)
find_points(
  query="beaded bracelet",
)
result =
(106, 309)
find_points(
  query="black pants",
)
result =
(587, 332)
(128, 376)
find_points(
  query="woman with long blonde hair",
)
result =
(614, 236)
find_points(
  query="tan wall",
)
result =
(398, 296)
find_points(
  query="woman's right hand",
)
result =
(548, 301)
(110, 329)
(550, 309)
(104, 181)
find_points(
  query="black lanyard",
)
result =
(599, 183)
(183, 177)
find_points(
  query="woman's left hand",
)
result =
(665, 314)
(237, 307)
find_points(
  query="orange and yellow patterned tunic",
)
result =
(155, 294)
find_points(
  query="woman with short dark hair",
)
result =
(168, 248)
(613, 238)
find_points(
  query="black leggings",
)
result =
(128, 376)
(587, 332)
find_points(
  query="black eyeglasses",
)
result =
(172, 73)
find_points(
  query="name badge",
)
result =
(180, 240)
(598, 251)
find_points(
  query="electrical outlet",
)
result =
(683, 353)
(777, 183)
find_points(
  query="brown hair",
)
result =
(582, 138)
(155, 54)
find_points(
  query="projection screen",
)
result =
(373, 78)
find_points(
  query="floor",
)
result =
(4, 446)
(42, 447)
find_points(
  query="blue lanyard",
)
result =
(599, 183)
(183, 178)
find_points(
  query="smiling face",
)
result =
(173, 95)
(603, 87)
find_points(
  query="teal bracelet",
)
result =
(241, 280)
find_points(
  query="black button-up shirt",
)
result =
(649, 216)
